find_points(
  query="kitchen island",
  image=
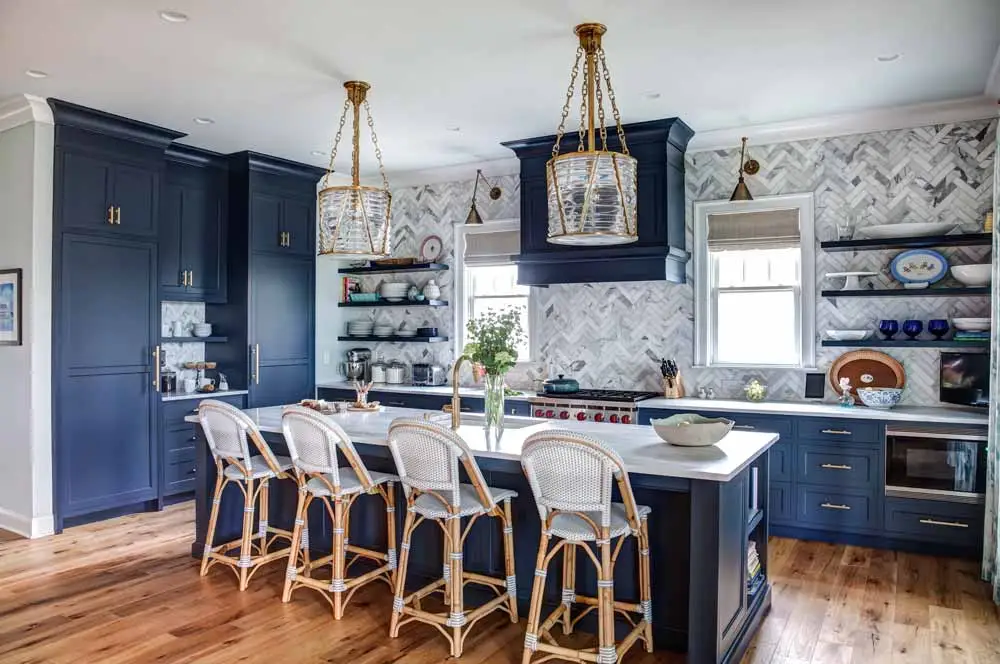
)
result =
(709, 506)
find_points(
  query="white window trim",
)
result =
(805, 203)
(462, 285)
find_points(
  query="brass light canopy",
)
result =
(354, 219)
(592, 191)
(495, 192)
(741, 192)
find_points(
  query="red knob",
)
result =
(564, 415)
(539, 412)
(599, 417)
(549, 413)
(613, 418)
(581, 416)
(626, 419)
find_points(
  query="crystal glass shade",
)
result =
(354, 221)
(592, 198)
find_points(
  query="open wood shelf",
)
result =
(388, 269)
(978, 291)
(908, 343)
(404, 303)
(397, 340)
(869, 244)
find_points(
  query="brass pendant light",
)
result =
(591, 192)
(473, 219)
(354, 219)
(741, 192)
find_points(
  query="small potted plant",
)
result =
(493, 340)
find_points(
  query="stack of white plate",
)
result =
(394, 291)
(383, 331)
(406, 333)
(971, 324)
(360, 328)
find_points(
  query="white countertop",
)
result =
(639, 446)
(942, 415)
(181, 396)
(437, 390)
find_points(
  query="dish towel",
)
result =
(991, 540)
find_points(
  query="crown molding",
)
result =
(456, 173)
(23, 109)
(993, 80)
(863, 122)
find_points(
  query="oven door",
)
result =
(936, 464)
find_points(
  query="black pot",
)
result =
(561, 385)
(427, 331)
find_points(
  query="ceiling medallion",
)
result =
(354, 219)
(591, 192)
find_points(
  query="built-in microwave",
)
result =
(936, 463)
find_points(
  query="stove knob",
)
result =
(549, 413)
(613, 419)
(582, 416)
(539, 412)
(564, 415)
(598, 417)
(626, 419)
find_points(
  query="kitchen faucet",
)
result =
(456, 400)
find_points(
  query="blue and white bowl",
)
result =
(880, 398)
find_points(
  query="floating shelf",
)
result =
(908, 343)
(397, 340)
(193, 340)
(386, 269)
(404, 303)
(958, 240)
(911, 292)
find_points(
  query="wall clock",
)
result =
(430, 249)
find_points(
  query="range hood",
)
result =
(660, 253)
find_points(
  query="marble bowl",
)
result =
(880, 398)
(690, 430)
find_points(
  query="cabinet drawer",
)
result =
(837, 466)
(179, 473)
(841, 430)
(954, 523)
(174, 412)
(780, 503)
(835, 508)
(180, 439)
(779, 424)
(781, 462)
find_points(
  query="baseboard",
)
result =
(43, 526)
(15, 523)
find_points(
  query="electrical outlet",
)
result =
(326, 357)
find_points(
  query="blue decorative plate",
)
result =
(919, 266)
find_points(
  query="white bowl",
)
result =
(690, 430)
(880, 398)
(917, 229)
(848, 335)
(201, 330)
(973, 275)
(971, 324)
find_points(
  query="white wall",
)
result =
(26, 160)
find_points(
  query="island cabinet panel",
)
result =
(781, 507)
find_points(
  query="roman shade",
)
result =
(773, 229)
(492, 247)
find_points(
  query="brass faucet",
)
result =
(456, 400)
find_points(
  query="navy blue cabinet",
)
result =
(285, 224)
(178, 440)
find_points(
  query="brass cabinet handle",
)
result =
(256, 364)
(835, 466)
(288, 238)
(949, 524)
(118, 216)
(184, 278)
(745, 427)
(111, 215)
(831, 506)
(156, 368)
(281, 239)
(837, 432)
(190, 277)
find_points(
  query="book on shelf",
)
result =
(348, 286)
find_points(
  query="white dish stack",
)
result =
(393, 291)
(360, 328)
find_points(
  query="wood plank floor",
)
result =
(126, 591)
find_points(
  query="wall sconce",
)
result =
(495, 192)
(748, 166)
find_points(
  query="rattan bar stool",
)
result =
(313, 441)
(571, 476)
(228, 430)
(427, 458)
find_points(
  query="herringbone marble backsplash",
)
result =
(612, 334)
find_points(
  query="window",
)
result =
(754, 283)
(488, 277)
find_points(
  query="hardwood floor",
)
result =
(126, 591)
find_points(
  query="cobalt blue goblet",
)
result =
(912, 328)
(938, 327)
(888, 328)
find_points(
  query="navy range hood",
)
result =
(660, 254)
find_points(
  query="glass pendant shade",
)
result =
(592, 198)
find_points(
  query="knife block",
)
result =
(673, 388)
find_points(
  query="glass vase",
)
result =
(494, 407)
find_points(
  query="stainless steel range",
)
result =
(612, 406)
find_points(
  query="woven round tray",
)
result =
(867, 368)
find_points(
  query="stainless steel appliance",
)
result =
(358, 365)
(395, 373)
(935, 463)
(429, 374)
(612, 406)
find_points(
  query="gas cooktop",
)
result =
(623, 396)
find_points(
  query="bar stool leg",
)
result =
(390, 530)
(446, 569)
(645, 585)
(264, 510)
(404, 557)
(293, 556)
(245, 546)
(568, 586)
(508, 554)
(212, 521)
(535, 608)
(607, 652)
(456, 617)
(339, 555)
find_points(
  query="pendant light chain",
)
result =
(614, 104)
(569, 99)
(600, 113)
(336, 141)
(378, 150)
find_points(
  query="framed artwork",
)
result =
(10, 307)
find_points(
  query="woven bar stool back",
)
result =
(572, 477)
(314, 441)
(242, 457)
(428, 459)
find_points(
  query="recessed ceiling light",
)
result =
(36, 73)
(652, 95)
(318, 153)
(889, 57)
(204, 121)
(171, 16)
(453, 128)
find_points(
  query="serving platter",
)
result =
(919, 266)
(867, 368)
(915, 229)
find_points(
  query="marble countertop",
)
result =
(639, 446)
(941, 415)
(181, 396)
(437, 390)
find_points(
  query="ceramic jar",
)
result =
(432, 291)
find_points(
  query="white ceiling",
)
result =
(270, 73)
